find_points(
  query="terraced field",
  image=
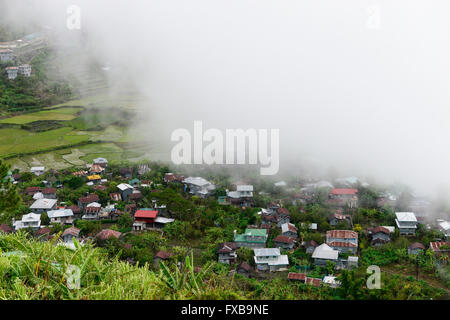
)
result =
(55, 114)
(15, 141)
(98, 128)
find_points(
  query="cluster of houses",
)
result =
(13, 72)
(88, 207)
(11, 51)
(339, 248)
(7, 55)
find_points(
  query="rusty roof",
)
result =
(381, 229)
(283, 211)
(163, 255)
(226, 247)
(244, 265)
(108, 233)
(88, 199)
(284, 239)
(341, 244)
(71, 231)
(417, 245)
(436, 246)
(297, 276)
(48, 190)
(313, 281)
(342, 234)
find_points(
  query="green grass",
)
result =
(38, 270)
(103, 101)
(57, 114)
(40, 273)
(101, 119)
(22, 141)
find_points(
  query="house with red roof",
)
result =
(284, 242)
(283, 216)
(244, 268)
(144, 219)
(172, 177)
(227, 252)
(32, 190)
(289, 230)
(314, 282)
(295, 276)
(161, 256)
(380, 235)
(69, 234)
(335, 218)
(49, 193)
(84, 201)
(342, 240)
(416, 248)
(344, 197)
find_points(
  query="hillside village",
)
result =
(303, 238)
(13, 52)
(302, 231)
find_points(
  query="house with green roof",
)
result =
(134, 182)
(252, 238)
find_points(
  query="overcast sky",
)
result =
(360, 85)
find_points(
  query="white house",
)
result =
(125, 190)
(406, 222)
(199, 186)
(38, 195)
(242, 196)
(101, 162)
(160, 222)
(37, 170)
(25, 70)
(31, 220)
(12, 72)
(324, 253)
(289, 230)
(69, 234)
(62, 216)
(6, 55)
(270, 259)
(331, 281)
(43, 205)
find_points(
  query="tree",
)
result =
(245, 254)
(9, 196)
(351, 288)
(125, 221)
(26, 177)
(45, 220)
(330, 267)
(75, 182)
(357, 228)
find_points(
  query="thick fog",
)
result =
(363, 86)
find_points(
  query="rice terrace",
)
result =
(67, 135)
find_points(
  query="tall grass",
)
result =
(33, 269)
